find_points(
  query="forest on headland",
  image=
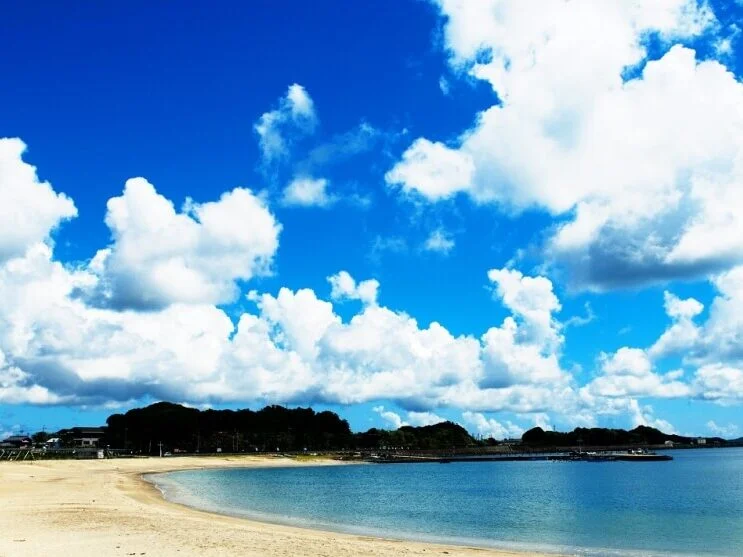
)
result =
(276, 428)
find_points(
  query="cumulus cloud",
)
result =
(344, 287)
(639, 159)
(276, 129)
(295, 348)
(710, 352)
(531, 298)
(29, 208)
(541, 419)
(683, 333)
(713, 346)
(489, 427)
(78, 335)
(307, 192)
(720, 383)
(433, 170)
(58, 348)
(644, 415)
(413, 418)
(392, 418)
(424, 418)
(629, 373)
(160, 256)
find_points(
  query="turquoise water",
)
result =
(692, 505)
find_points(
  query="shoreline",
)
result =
(107, 507)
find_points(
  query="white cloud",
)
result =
(541, 419)
(307, 192)
(302, 320)
(392, 418)
(719, 382)
(432, 169)
(413, 418)
(533, 300)
(626, 361)
(725, 431)
(160, 256)
(382, 354)
(439, 241)
(57, 347)
(276, 129)
(629, 373)
(642, 162)
(489, 427)
(59, 350)
(424, 418)
(681, 309)
(711, 348)
(644, 416)
(683, 333)
(29, 208)
(344, 287)
(525, 349)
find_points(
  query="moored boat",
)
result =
(642, 455)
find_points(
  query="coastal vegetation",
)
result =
(165, 427)
(604, 437)
(183, 429)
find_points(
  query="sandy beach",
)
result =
(103, 507)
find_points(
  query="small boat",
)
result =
(642, 455)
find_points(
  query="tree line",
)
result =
(176, 428)
(604, 437)
(273, 428)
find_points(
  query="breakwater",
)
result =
(563, 457)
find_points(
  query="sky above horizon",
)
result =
(501, 213)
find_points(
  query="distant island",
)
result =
(603, 437)
(167, 428)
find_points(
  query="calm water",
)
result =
(692, 505)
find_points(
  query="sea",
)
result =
(692, 505)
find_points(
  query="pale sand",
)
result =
(103, 507)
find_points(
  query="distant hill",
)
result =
(444, 435)
(603, 437)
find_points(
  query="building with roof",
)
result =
(16, 442)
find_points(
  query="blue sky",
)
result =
(401, 211)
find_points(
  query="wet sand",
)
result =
(104, 507)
